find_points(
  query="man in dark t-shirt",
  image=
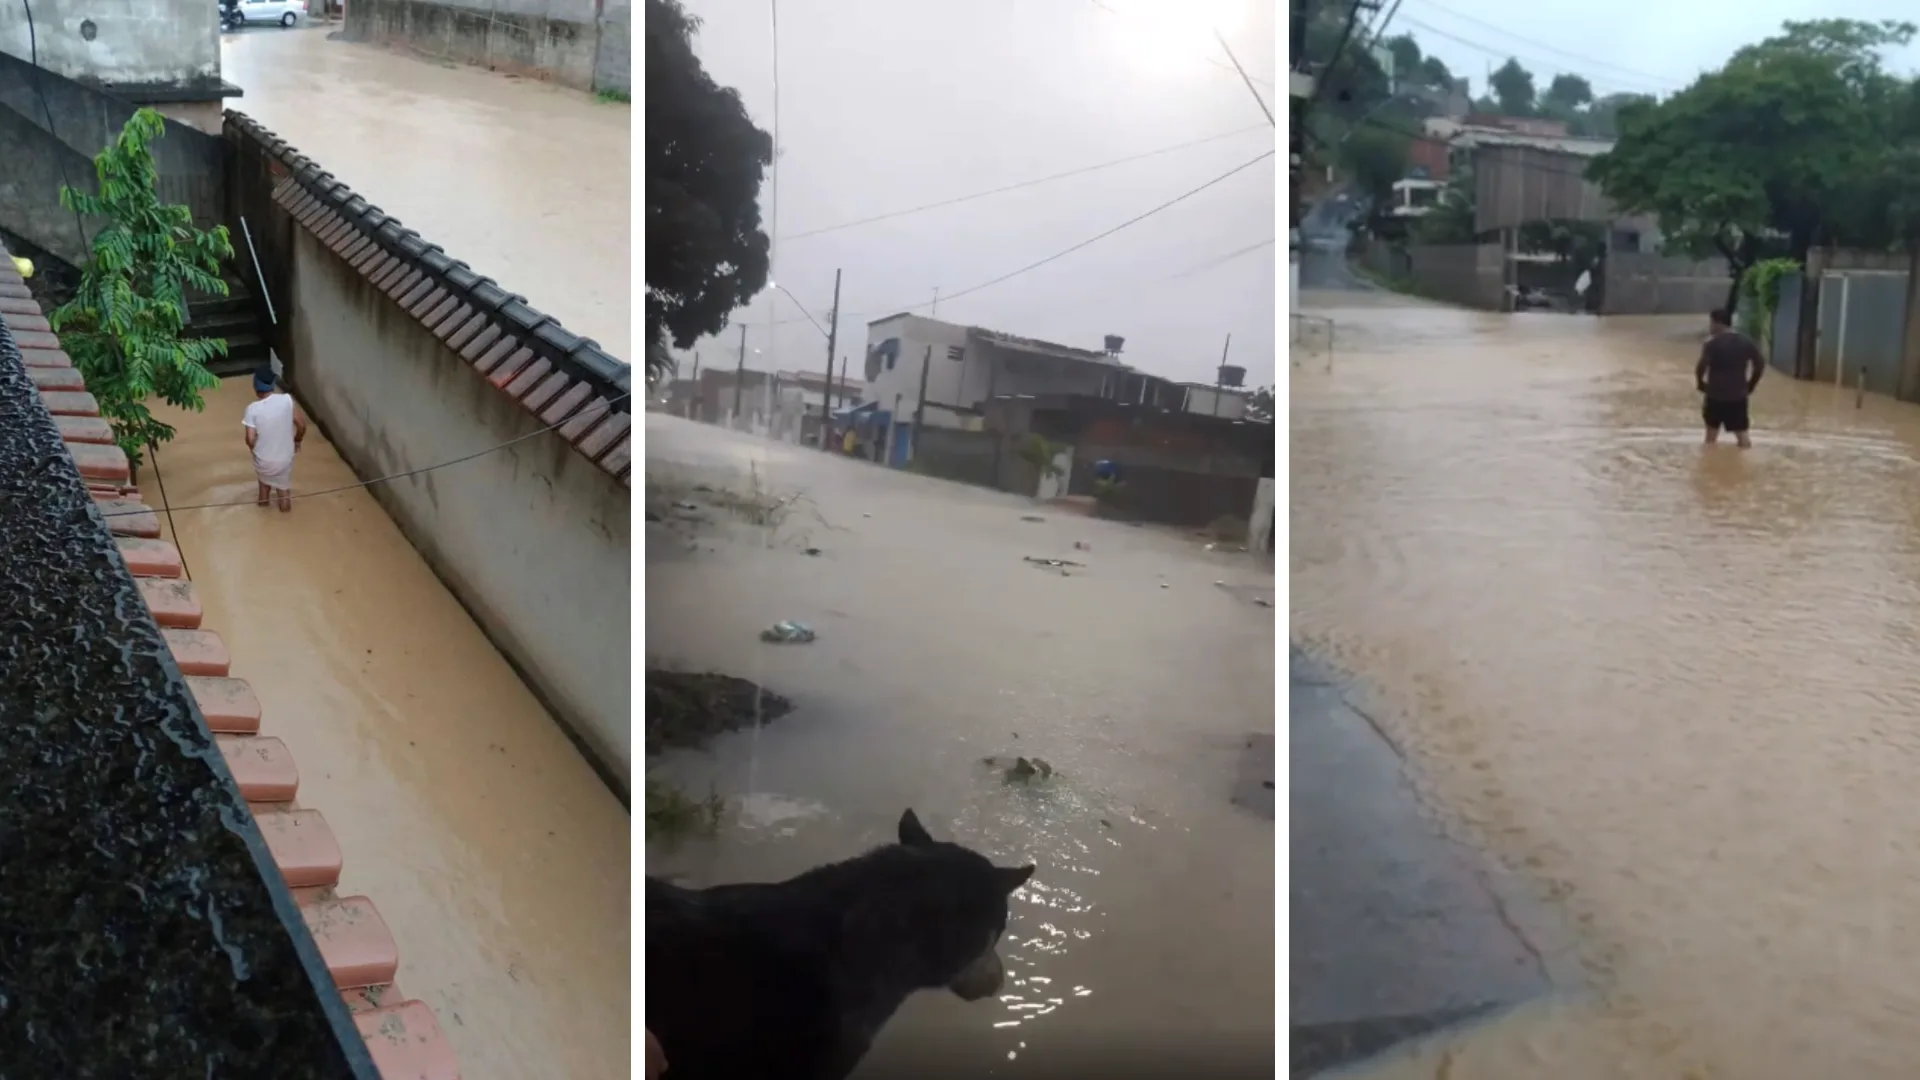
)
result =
(1730, 367)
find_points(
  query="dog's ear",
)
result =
(912, 833)
(1012, 878)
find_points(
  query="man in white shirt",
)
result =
(274, 429)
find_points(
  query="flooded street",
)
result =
(1147, 934)
(1675, 689)
(526, 182)
(495, 854)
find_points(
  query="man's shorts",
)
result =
(1730, 415)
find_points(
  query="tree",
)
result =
(1566, 94)
(1434, 73)
(1407, 57)
(122, 327)
(1260, 406)
(1770, 146)
(1513, 90)
(706, 252)
(1375, 156)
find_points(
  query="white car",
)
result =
(284, 12)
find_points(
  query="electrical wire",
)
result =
(1268, 83)
(1244, 77)
(1326, 74)
(1498, 53)
(40, 91)
(1586, 60)
(1129, 159)
(153, 449)
(1011, 274)
(562, 422)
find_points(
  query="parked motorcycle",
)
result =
(230, 15)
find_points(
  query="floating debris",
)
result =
(1023, 770)
(813, 551)
(1055, 563)
(1031, 517)
(1082, 545)
(788, 632)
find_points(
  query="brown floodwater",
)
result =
(527, 182)
(1675, 687)
(496, 855)
(1148, 928)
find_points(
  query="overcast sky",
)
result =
(1638, 46)
(891, 104)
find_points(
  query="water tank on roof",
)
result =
(1232, 376)
(1114, 343)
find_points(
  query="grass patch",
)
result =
(611, 96)
(673, 814)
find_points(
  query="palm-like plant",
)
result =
(122, 328)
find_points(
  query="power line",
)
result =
(1587, 60)
(1244, 77)
(957, 200)
(1219, 260)
(1500, 53)
(562, 422)
(1326, 74)
(1268, 83)
(1129, 223)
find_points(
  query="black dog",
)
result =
(792, 981)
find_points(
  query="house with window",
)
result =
(964, 366)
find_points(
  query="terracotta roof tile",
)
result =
(545, 390)
(69, 403)
(487, 361)
(564, 406)
(528, 378)
(620, 458)
(56, 378)
(172, 601)
(406, 1041)
(46, 358)
(261, 766)
(198, 652)
(302, 845)
(601, 438)
(584, 420)
(228, 704)
(510, 368)
(126, 517)
(84, 429)
(354, 941)
(473, 348)
(149, 558)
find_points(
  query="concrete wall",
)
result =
(584, 44)
(1467, 274)
(149, 44)
(533, 538)
(965, 456)
(947, 379)
(1644, 283)
(34, 163)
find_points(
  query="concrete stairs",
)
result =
(238, 318)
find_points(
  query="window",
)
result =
(956, 352)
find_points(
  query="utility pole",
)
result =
(920, 409)
(739, 374)
(696, 367)
(935, 313)
(833, 341)
(1219, 376)
(843, 380)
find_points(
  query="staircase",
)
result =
(238, 318)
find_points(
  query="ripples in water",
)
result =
(1677, 687)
